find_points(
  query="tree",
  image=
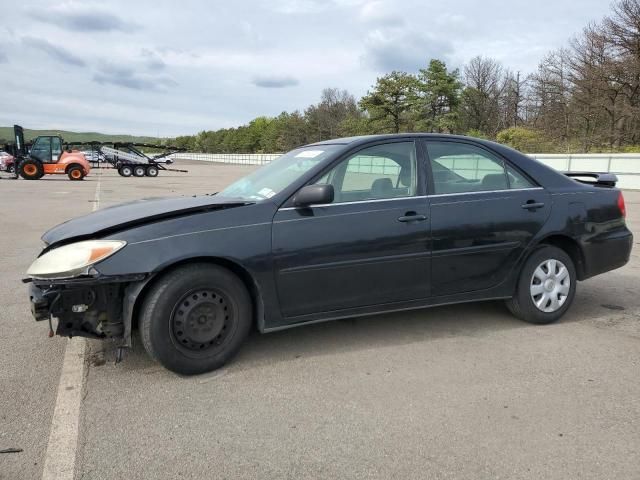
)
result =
(551, 92)
(513, 99)
(523, 139)
(390, 102)
(438, 98)
(480, 106)
(324, 118)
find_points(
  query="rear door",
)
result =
(370, 246)
(484, 212)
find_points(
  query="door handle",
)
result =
(531, 205)
(412, 217)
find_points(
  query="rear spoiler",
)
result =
(608, 180)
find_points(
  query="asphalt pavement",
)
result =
(460, 392)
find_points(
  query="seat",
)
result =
(405, 177)
(382, 188)
(495, 181)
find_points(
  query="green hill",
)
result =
(6, 135)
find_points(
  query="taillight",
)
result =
(621, 206)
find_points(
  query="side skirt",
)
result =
(379, 310)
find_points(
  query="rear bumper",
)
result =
(607, 252)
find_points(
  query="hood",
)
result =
(127, 215)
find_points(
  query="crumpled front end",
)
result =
(95, 309)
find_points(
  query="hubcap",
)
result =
(201, 320)
(550, 285)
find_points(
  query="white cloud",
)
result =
(147, 66)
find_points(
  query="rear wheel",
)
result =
(139, 171)
(125, 171)
(152, 171)
(10, 169)
(31, 169)
(195, 318)
(75, 173)
(546, 287)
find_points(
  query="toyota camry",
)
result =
(342, 228)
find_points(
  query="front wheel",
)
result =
(195, 318)
(31, 169)
(546, 286)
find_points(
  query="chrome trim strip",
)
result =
(414, 197)
(377, 200)
(485, 191)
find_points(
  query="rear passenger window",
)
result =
(517, 180)
(461, 168)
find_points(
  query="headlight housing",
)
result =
(74, 259)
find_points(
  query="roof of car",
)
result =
(368, 138)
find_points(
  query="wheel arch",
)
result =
(134, 302)
(571, 247)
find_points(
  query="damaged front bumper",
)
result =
(96, 307)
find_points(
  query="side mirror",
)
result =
(313, 195)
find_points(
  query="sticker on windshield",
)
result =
(266, 192)
(309, 153)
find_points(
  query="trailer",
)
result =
(129, 159)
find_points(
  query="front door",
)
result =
(484, 212)
(369, 247)
(41, 149)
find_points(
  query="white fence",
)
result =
(235, 158)
(625, 165)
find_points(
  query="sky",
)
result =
(167, 68)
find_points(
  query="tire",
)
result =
(139, 171)
(10, 169)
(125, 171)
(152, 171)
(533, 285)
(195, 318)
(31, 169)
(75, 173)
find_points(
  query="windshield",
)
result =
(274, 177)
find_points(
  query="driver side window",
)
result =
(378, 172)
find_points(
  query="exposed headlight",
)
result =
(74, 259)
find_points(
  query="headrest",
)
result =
(381, 187)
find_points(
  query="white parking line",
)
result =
(60, 458)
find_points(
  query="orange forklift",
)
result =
(47, 157)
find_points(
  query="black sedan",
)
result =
(343, 228)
